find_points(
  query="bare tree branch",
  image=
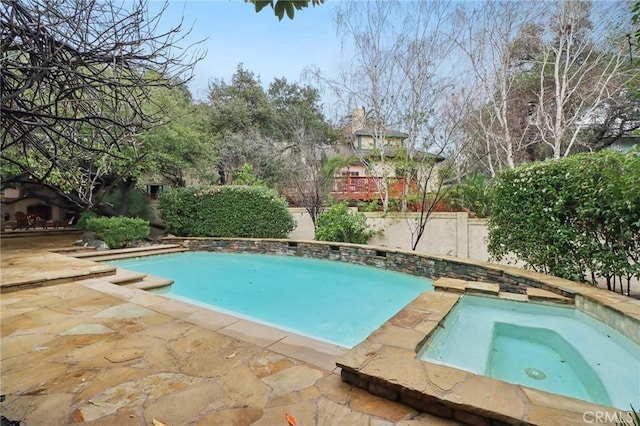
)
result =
(76, 80)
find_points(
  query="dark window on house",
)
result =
(153, 191)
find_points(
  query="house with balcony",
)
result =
(377, 163)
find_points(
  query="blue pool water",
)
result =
(552, 348)
(333, 301)
(542, 358)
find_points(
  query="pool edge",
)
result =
(451, 398)
(396, 373)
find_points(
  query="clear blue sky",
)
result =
(270, 48)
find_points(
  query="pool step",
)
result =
(125, 276)
(454, 285)
(540, 295)
(139, 280)
(71, 251)
(458, 286)
(129, 252)
(104, 257)
(149, 282)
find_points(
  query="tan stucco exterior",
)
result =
(451, 234)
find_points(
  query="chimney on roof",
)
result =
(358, 119)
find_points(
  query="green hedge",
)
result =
(338, 224)
(118, 231)
(228, 211)
(571, 217)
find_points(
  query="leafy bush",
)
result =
(82, 220)
(118, 231)
(339, 224)
(228, 211)
(570, 216)
(246, 176)
(472, 194)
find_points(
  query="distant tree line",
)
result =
(95, 104)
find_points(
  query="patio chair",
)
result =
(23, 221)
(38, 221)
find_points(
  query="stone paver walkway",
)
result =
(73, 354)
(97, 353)
(23, 269)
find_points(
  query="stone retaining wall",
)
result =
(423, 265)
(620, 312)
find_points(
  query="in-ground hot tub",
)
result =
(552, 348)
(386, 363)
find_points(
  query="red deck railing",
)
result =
(366, 188)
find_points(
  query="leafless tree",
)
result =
(447, 143)
(76, 85)
(579, 75)
(403, 72)
(372, 77)
(311, 161)
(554, 78)
(500, 39)
(262, 153)
(395, 73)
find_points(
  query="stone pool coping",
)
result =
(386, 363)
(620, 312)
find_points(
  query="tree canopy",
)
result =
(94, 98)
(77, 79)
(275, 131)
(280, 7)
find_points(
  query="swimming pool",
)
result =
(336, 302)
(552, 348)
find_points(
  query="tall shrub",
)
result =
(82, 220)
(228, 211)
(473, 194)
(180, 210)
(134, 203)
(117, 232)
(577, 218)
(338, 224)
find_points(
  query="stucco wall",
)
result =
(304, 225)
(451, 234)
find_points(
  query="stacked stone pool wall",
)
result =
(385, 364)
(619, 312)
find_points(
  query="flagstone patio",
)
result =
(75, 348)
(92, 352)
